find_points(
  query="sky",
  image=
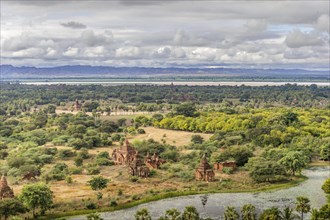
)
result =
(172, 33)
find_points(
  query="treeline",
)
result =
(25, 96)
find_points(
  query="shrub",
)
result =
(113, 203)
(228, 170)
(91, 205)
(134, 179)
(76, 171)
(103, 162)
(93, 170)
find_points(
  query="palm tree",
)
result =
(172, 214)
(315, 214)
(231, 213)
(270, 214)
(302, 205)
(142, 214)
(190, 213)
(248, 212)
(288, 214)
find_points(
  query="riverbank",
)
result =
(167, 195)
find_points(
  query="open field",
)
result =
(172, 137)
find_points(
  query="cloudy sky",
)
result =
(164, 33)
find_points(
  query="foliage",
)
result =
(248, 212)
(326, 186)
(142, 214)
(190, 213)
(37, 195)
(302, 205)
(231, 213)
(94, 216)
(9, 207)
(294, 161)
(98, 183)
(270, 214)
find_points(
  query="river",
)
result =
(217, 203)
(189, 83)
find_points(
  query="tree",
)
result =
(190, 213)
(326, 186)
(98, 183)
(315, 214)
(186, 109)
(324, 212)
(94, 216)
(302, 205)
(197, 139)
(325, 152)
(11, 206)
(172, 214)
(231, 213)
(248, 212)
(37, 195)
(142, 214)
(287, 214)
(294, 161)
(266, 171)
(270, 214)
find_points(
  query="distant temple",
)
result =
(153, 161)
(124, 155)
(219, 166)
(204, 171)
(5, 190)
(77, 105)
(137, 167)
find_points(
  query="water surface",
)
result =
(217, 203)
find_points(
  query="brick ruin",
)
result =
(124, 155)
(153, 161)
(220, 165)
(127, 155)
(204, 171)
(77, 105)
(137, 167)
(5, 190)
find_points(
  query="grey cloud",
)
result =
(73, 25)
(323, 23)
(298, 39)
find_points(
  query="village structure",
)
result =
(5, 190)
(220, 165)
(204, 171)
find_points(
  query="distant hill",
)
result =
(12, 72)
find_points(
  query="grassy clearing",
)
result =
(172, 137)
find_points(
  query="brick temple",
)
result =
(137, 167)
(5, 190)
(153, 161)
(124, 155)
(204, 171)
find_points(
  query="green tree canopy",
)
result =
(37, 195)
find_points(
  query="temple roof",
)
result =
(204, 165)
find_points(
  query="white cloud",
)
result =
(165, 33)
(128, 52)
(71, 51)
